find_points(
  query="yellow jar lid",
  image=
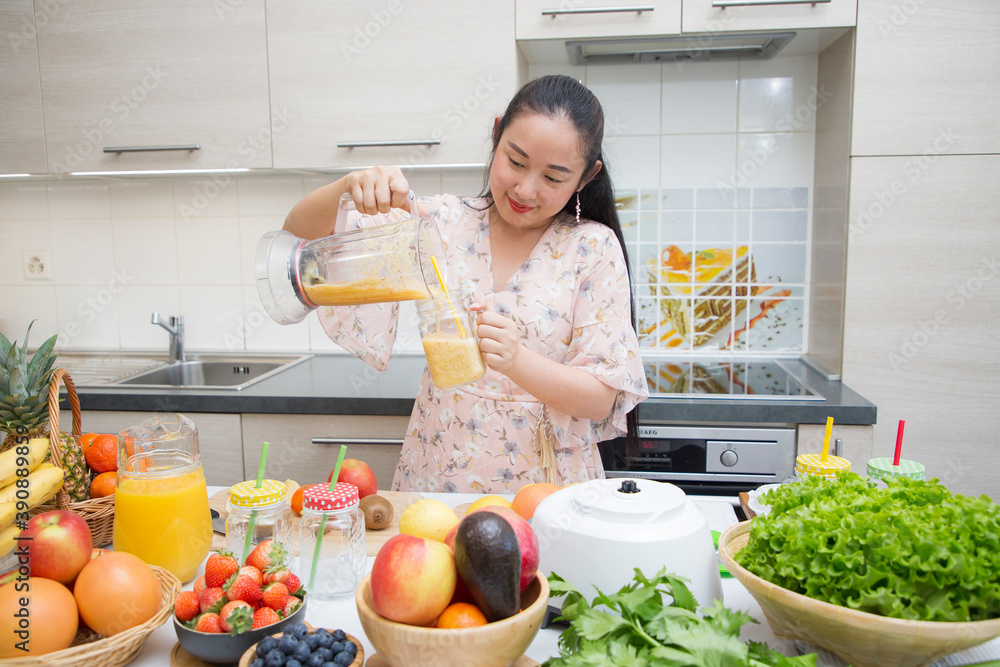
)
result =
(813, 464)
(245, 494)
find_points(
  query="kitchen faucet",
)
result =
(176, 330)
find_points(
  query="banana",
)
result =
(8, 511)
(42, 485)
(43, 465)
(9, 464)
(7, 539)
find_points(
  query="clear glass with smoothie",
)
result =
(448, 334)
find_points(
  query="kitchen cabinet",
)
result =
(305, 447)
(710, 16)
(551, 19)
(355, 84)
(219, 439)
(177, 84)
(925, 81)
(22, 136)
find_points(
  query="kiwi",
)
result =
(378, 511)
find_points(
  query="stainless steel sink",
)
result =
(201, 371)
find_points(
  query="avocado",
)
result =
(489, 561)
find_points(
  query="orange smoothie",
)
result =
(453, 360)
(165, 521)
(366, 290)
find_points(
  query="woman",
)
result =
(541, 255)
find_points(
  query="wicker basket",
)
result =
(99, 513)
(90, 648)
(860, 638)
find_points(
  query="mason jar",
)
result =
(331, 541)
(448, 334)
(266, 510)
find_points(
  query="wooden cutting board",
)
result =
(374, 539)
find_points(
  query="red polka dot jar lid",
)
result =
(320, 497)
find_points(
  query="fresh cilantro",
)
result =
(639, 630)
(910, 550)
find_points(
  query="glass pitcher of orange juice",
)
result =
(161, 501)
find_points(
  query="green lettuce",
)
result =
(910, 550)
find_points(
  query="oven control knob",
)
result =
(729, 458)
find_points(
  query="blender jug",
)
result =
(383, 260)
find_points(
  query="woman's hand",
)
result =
(499, 339)
(378, 189)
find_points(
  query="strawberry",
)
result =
(275, 595)
(267, 554)
(219, 567)
(208, 623)
(291, 606)
(253, 573)
(264, 616)
(236, 617)
(186, 606)
(199, 585)
(283, 575)
(243, 587)
(208, 599)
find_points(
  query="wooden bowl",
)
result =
(221, 647)
(860, 638)
(251, 652)
(497, 644)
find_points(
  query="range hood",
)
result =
(687, 48)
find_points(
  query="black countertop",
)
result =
(342, 385)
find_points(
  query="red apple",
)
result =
(58, 545)
(413, 579)
(359, 474)
(527, 540)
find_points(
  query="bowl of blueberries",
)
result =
(303, 646)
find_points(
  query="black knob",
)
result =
(628, 486)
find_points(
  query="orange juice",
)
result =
(165, 521)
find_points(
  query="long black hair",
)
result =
(560, 96)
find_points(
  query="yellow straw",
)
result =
(444, 288)
(826, 438)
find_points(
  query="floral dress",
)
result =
(571, 300)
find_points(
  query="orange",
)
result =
(528, 496)
(53, 617)
(102, 455)
(296, 500)
(461, 615)
(104, 484)
(85, 441)
(488, 501)
(115, 592)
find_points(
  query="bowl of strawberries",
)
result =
(232, 607)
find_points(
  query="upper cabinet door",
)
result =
(355, 84)
(178, 84)
(736, 15)
(22, 137)
(554, 19)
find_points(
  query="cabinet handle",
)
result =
(368, 144)
(751, 3)
(599, 10)
(147, 149)
(356, 441)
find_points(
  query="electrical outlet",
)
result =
(37, 265)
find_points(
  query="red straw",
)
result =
(899, 443)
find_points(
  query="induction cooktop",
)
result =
(763, 379)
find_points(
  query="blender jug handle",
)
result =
(347, 206)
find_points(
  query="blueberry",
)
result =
(312, 641)
(314, 660)
(266, 645)
(257, 662)
(331, 663)
(338, 635)
(297, 630)
(274, 658)
(325, 640)
(324, 653)
(292, 662)
(322, 632)
(301, 652)
(342, 658)
(288, 644)
(337, 647)
(350, 647)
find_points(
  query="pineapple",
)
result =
(24, 407)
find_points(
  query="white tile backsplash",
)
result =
(714, 154)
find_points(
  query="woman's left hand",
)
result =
(499, 339)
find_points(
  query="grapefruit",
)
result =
(50, 614)
(116, 591)
(529, 496)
